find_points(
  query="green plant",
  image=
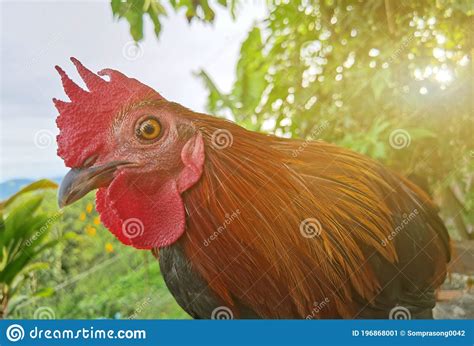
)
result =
(23, 237)
(135, 10)
(393, 79)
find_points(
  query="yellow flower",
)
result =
(109, 248)
(96, 220)
(89, 207)
(91, 231)
(82, 217)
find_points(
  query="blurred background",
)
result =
(389, 79)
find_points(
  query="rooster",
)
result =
(245, 223)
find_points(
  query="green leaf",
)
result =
(116, 4)
(215, 95)
(44, 292)
(208, 12)
(23, 233)
(19, 279)
(37, 185)
(251, 70)
(135, 20)
(20, 221)
(3, 258)
(134, 12)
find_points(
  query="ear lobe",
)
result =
(192, 156)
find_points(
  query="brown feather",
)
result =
(262, 259)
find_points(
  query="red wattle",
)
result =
(141, 214)
(145, 210)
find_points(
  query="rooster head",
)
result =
(139, 150)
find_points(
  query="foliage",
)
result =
(377, 72)
(93, 275)
(24, 234)
(37, 185)
(134, 12)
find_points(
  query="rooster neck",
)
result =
(246, 224)
(245, 214)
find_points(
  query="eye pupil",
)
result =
(148, 129)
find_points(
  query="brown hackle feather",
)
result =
(261, 258)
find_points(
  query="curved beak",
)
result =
(79, 181)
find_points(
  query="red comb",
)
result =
(85, 120)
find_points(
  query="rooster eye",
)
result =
(148, 129)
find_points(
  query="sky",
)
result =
(37, 35)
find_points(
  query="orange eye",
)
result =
(148, 129)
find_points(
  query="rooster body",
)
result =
(265, 227)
